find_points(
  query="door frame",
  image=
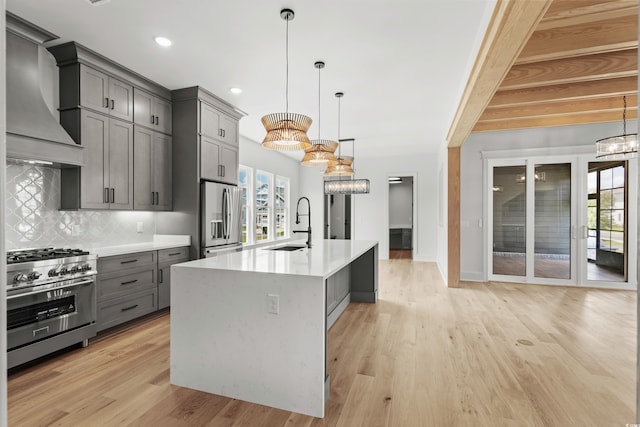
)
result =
(414, 214)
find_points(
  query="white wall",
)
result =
(401, 204)
(442, 256)
(370, 212)
(471, 191)
(253, 155)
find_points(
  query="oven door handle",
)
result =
(71, 285)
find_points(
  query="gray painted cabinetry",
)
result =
(337, 288)
(99, 103)
(205, 147)
(133, 285)
(152, 171)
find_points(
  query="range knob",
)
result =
(19, 278)
(63, 271)
(53, 272)
(75, 269)
(34, 275)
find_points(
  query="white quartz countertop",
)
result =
(160, 241)
(323, 259)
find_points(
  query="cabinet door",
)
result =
(161, 170)
(120, 99)
(94, 89)
(229, 161)
(94, 175)
(121, 164)
(229, 130)
(143, 108)
(163, 113)
(210, 121)
(209, 159)
(331, 294)
(164, 287)
(143, 169)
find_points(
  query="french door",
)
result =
(562, 220)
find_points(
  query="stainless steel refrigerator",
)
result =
(220, 219)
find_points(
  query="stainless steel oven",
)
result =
(51, 302)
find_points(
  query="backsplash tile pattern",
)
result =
(33, 218)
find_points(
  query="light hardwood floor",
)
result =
(480, 355)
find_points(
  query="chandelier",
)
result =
(618, 147)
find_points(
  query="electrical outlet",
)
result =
(75, 230)
(273, 303)
(140, 227)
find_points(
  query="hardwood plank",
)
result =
(591, 67)
(566, 92)
(560, 108)
(607, 35)
(453, 214)
(482, 354)
(562, 120)
(509, 29)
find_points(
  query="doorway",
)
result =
(337, 216)
(401, 228)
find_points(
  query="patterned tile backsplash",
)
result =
(33, 218)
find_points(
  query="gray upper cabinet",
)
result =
(152, 172)
(106, 179)
(218, 161)
(105, 94)
(152, 112)
(217, 125)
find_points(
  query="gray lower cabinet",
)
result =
(126, 288)
(106, 179)
(337, 288)
(152, 171)
(218, 161)
(166, 258)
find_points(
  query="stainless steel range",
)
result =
(51, 301)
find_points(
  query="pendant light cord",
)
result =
(287, 73)
(340, 143)
(624, 116)
(319, 69)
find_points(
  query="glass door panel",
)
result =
(509, 220)
(552, 231)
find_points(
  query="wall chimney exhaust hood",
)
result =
(33, 133)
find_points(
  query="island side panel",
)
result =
(364, 276)
(225, 341)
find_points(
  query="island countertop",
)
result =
(324, 258)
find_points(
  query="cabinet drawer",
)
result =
(173, 254)
(121, 310)
(119, 262)
(118, 284)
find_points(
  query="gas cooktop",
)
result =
(30, 255)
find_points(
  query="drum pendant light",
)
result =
(286, 131)
(321, 151)
(618, 147)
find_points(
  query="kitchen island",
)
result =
(253, 325)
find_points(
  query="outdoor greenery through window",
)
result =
(265, 205)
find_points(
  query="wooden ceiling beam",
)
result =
(589, 38)
(583, 68)
(565, 92)
(563, 13)
(510, 27)
(559, 108)
(560, 120)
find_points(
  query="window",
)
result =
(282, 207)
(264, 185)
(245, 181)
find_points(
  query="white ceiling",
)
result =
(401, 63)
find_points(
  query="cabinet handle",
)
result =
(224, 133)
(161, 276)
(157, 120)
(129, 308)
(153, 198)
(219, 132)
(157, 198)
(153, 119)
(113, 104)
(224, 171)
(129, 261)
(219, 170)
(175, 253)
(106, 103)
(129, 282)
(113, 195)
(106, 195)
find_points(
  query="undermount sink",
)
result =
(289, 248)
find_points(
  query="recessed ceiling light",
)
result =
(235, 90)
(163, 41)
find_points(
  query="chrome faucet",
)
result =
(308, 214)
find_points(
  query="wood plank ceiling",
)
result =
(580, 60)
